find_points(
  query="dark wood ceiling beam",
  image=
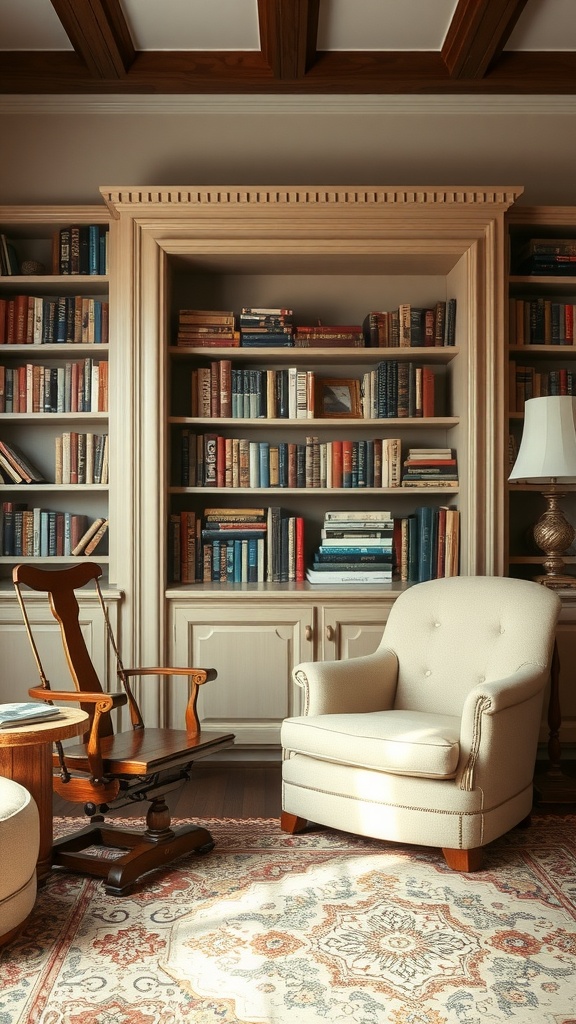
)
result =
(99, 34)
(478, 32)
(288, 34)
(344, 73)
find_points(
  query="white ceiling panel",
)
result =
(545, 25)
(193, 24)
(31, 25)
(383, 24)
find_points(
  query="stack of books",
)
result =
(15, 467)
(26, 713)
(355, 547)
(430, 467)
(548, 257)
(207, 328)
(429, 543)
(266, 327)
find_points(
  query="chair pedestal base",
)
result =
(145, 852)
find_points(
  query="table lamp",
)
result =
(547, 455)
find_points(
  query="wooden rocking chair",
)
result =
(107, 770)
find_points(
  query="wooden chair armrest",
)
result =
(109, 701)
(197, 677)
(103, 703)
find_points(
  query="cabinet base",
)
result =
(555, 787)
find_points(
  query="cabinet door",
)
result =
(254, 649)
(351, 630)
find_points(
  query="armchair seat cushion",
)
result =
(401, 742)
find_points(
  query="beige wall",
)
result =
(60, 150)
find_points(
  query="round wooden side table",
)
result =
(26, 757)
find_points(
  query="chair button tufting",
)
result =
(427, 672)
(436, 624)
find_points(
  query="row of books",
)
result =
(77, 386)
(64, 319)
(80, 249)
(211, 460)
(355, 547)
(233, 545)
(408, 325)
(393, 389)
(411, 325)
(40, 533)
(540, 321)
(81, 458)
(526, 382)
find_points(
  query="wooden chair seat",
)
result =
(109, 770)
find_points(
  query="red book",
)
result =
(300, 558)
(347, 451)
(220, 461)
(225, 384)
(428, 382)
(337, 464)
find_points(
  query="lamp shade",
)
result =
(548, 447)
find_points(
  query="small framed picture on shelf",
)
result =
(336, 398)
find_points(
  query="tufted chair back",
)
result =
(453, 634)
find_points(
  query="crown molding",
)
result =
(246, 104)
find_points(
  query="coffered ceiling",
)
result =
(346, 47)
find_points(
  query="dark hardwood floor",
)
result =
(214, 791)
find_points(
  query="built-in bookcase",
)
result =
(54, 373)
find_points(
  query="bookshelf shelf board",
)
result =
(54, 417)
(53, 351)
(537, 559)
(546, 351)
(284, 591)
(292, 356)
(43, 488)
(540, 487)
(319, 491)
(66, 284)
(445, 422)
(54, 559)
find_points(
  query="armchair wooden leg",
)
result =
(464, 860)
(292, 823)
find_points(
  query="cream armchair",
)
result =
(432, 739)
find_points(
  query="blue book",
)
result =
(264, 460)
(93, 249)
(252, 560)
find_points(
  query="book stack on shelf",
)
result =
(81, 458)
(237, 545)
(64, 319)
(15, 468)
(207, 328)
(266, 327)
(399, 390)
(430, 467)
(40, 533)
(355, 547)
(544, 257)
(79, 386)
(409, 325)
(80, 249)
(329, 336)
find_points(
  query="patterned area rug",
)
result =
(316, 928)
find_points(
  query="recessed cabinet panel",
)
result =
(350, 631)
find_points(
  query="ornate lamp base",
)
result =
(554, 535)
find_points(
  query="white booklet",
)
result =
(26, 713)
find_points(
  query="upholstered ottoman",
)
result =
(19, 845)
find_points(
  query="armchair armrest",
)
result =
(103, 703)
(197, 676)
(360, 684)
(498, 716)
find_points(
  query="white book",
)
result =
(317, 576)
(26, 713)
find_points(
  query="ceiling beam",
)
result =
(351, 73)
(477, 34)
(288, 33)
(99, 34)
